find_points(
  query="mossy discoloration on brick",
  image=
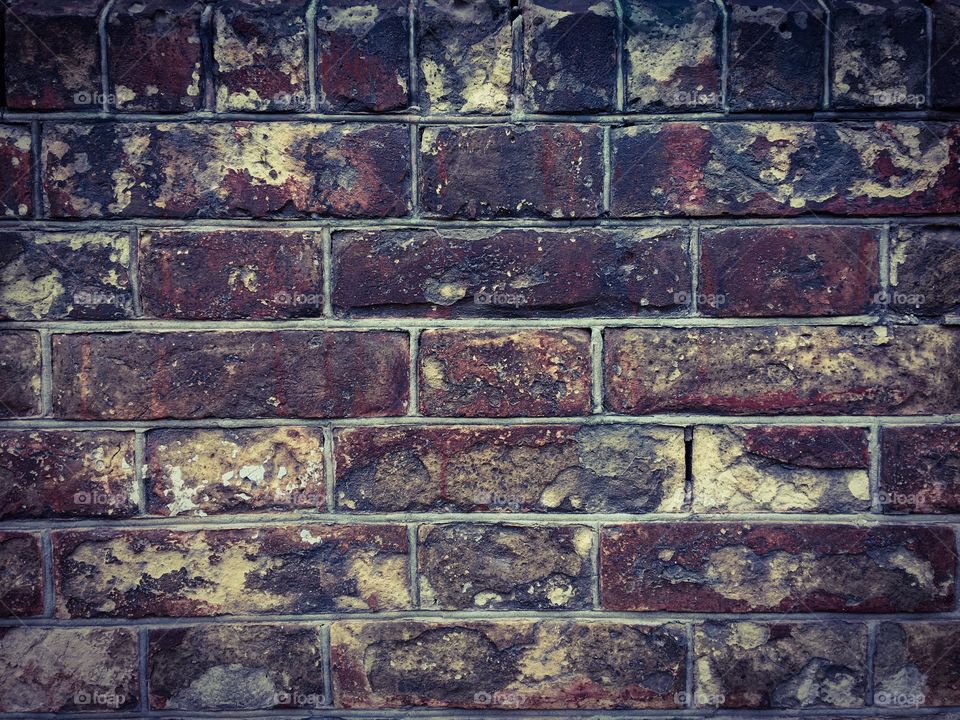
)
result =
(925, 269)
(19, 373)
(920, 469)
(22, 570)
(917, 664)
(16, 171)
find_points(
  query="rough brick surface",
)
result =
(22, 591)
(917, 664)
(920, 469)
(19, 373)
(945, 61)
(925, 269)
(16, 168)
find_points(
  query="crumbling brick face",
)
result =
(414, 358)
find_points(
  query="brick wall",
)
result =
(480, 357)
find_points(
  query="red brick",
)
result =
(19, 373)
(920, 469)
(917, 664)
(22, 570)
(925, 269)
(16, 172)
(477, 373)
(227, 274)
(230, 374)
(727, 567)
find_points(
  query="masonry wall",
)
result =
(369, 359)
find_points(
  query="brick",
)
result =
(229, 169)
(477, 373)
(672, 55)
(925, 269)
(363, 55)
(47, 473)
(16, 172)
(260, 55)
(780, 469)
(569, 55)
(22, 569)
(917, 663)
(68, 276)
(545, 468)
(780, 665)
(227, 274)
(920, 469)
(500, 567)
(19, 373)
(505, 273)
(68, 669)
(52, 55)
(789, 271)
(552, 171)
(235, 667)
(565, 664)
(785, 168)
(197, 573)
(230, 374)
(879, 54)
(732, 567)
(945, 61)
(155, 55)
(776, 55)
(783, 370)
(208, 472)
(465, 56)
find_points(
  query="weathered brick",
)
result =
(879, 54)
(155, 55)
(465, 56)
(780, 665)
(235, 667)
(780, 469)
(286, 570)
(776, 370)
(22, 569)
(786, 168)
(920, 469)
(16, 172)
(477, 373)
(230, 374)
(540, 468)
(516, 567)
(672, 55)
(237, 169)
(65, 275)
(776, 55)
(553, 171)
(206, 472)
(363, 55)
(68, 669)
(728, 567)
(52, 55)
(507, 665)
(945, 61)
(468, 273)
(570, 55)
(801, 271)
(19, 373)
(46, 473)
(226, 274)
(917, 663)
(260, 55)
(925, 269)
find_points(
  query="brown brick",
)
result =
(920, 469)
(780, 665)
(238, 169)
(500, 567)
(230, 374)
(925, 269)
(16, 172)
(155, 55)
(539, 468)
(780, 469)
(207, 472)
(917, 664)
(60, 275)
(727, 567)
(226, 274)
(477, 373)
(47, 473)
(68, 669)
(260, 55)
(774, 370)
(282, 570)
(945, 65)
(796, 271)
(469, 273)
(549, 170)
(19, 373)
(236, 667)
(518, 664)
(22, 572)
(785, 168)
